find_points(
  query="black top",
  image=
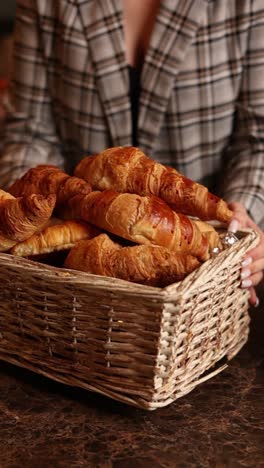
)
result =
(134, 92)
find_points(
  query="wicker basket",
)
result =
(141, 345)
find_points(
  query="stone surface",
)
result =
(219, 424)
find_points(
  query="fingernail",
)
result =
(245, 273)
(257, 302)
(233, 226)
(247, 283)
(246, 262)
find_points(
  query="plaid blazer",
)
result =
(202, 90)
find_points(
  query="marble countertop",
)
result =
(219, 424)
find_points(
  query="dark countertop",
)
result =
(219, 424)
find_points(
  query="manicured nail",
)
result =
(245, 273)
(233, 226)
(247, 262)
(247, 283)
(257, 302)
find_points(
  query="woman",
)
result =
(182, 79)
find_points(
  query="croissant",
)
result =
(46, 179)
(143, 220)
(210, 233)
(145, 264)
(56, 237)
(128, 169)
(21, 217)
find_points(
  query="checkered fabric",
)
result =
(202, 90)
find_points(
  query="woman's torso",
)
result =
(190, 80)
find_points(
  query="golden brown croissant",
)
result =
(210, 233)
(145, 264)
(21, 217)
(46, 179)
(128, 169)
(143, 220)
(60, 236)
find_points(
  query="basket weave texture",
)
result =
(141, 345)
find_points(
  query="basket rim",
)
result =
(246, 236)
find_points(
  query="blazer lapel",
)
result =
(103, 27)
(174, 31)
(175, 28)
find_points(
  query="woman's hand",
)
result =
(253, 263)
